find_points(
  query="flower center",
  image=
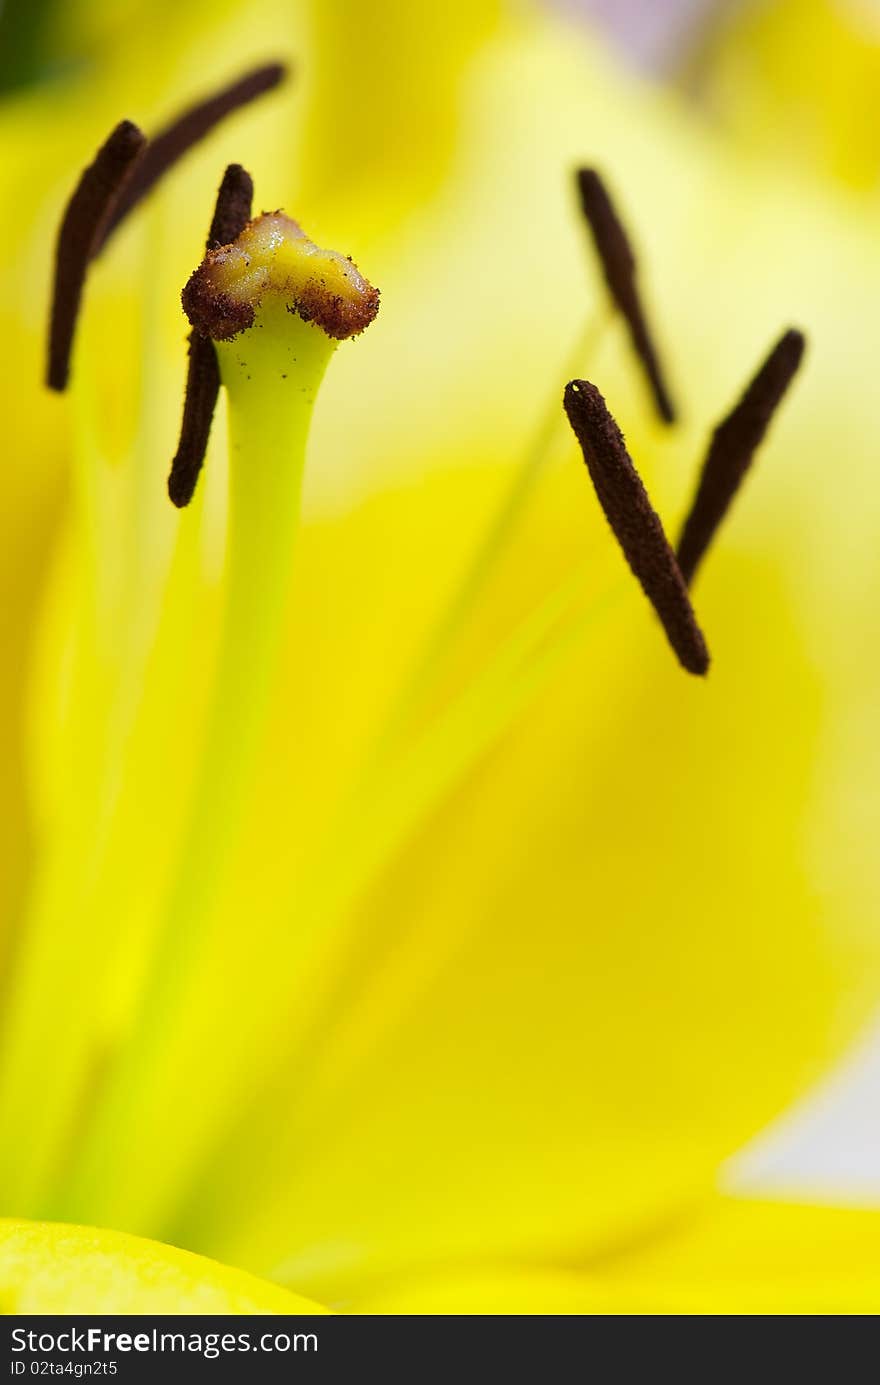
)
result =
(268, 307)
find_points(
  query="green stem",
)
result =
(272, 374)
(272, 377)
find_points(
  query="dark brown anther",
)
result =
(170, 145)
(619, 266)
(87, 214)
(634, 522)
(231, 214)
(232, 211)
(733, 445)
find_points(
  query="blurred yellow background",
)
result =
(522, 933)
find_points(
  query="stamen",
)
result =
(619, 265)
(83, 223)
(170, 145)
(273, 255)
(125, 169)
(634, 522)
(231, 214)
(232, 211)
(733, 445)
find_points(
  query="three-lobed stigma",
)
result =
(273, 255)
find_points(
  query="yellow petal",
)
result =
(799, 80)
(745, 1256)
(739, 1257)
(505, 1290)
(52, 1268)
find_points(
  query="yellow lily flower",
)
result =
(458, 928)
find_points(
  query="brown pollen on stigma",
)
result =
(274, 256)
(214, 314)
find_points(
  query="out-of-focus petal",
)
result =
(737, 1257)
(49, 1268)
(799, 81)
